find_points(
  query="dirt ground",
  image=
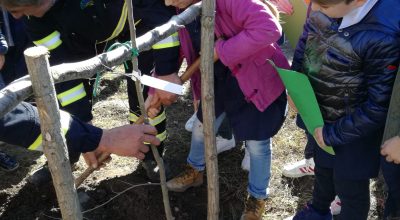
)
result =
(121, 190)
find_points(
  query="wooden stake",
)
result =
(392, 127)
(207, 101)
(139, 92)
(54, 145)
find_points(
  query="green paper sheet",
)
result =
(302, 94)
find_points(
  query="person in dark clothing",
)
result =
(81, 137)
(76, 30)
(350, 55)
(306, 166)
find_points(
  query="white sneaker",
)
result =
(190, 121)
(336, 206)
(246, 160)
(225, 144)
(301, 168)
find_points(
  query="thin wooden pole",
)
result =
(54, 145)
(139, 92)
(392, 127)
(207, 100)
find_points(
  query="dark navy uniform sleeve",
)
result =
(380, 64)
(43, 32)
(83, 137)
(21, 127)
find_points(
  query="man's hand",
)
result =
(161, 97)
(319, 137)
(391, 150)
(128, 140)
(92, 158)
(151, 111)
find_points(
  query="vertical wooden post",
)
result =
(160, 163)
(392, 127)
(207, 100)
(54, 145)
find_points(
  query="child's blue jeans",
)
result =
(260, 158)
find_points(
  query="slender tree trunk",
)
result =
(392, 127)
(54, 145)
(207, 99)
(139, 93)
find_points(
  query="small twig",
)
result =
(101, 205)
(130, 184)
(48, 216)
